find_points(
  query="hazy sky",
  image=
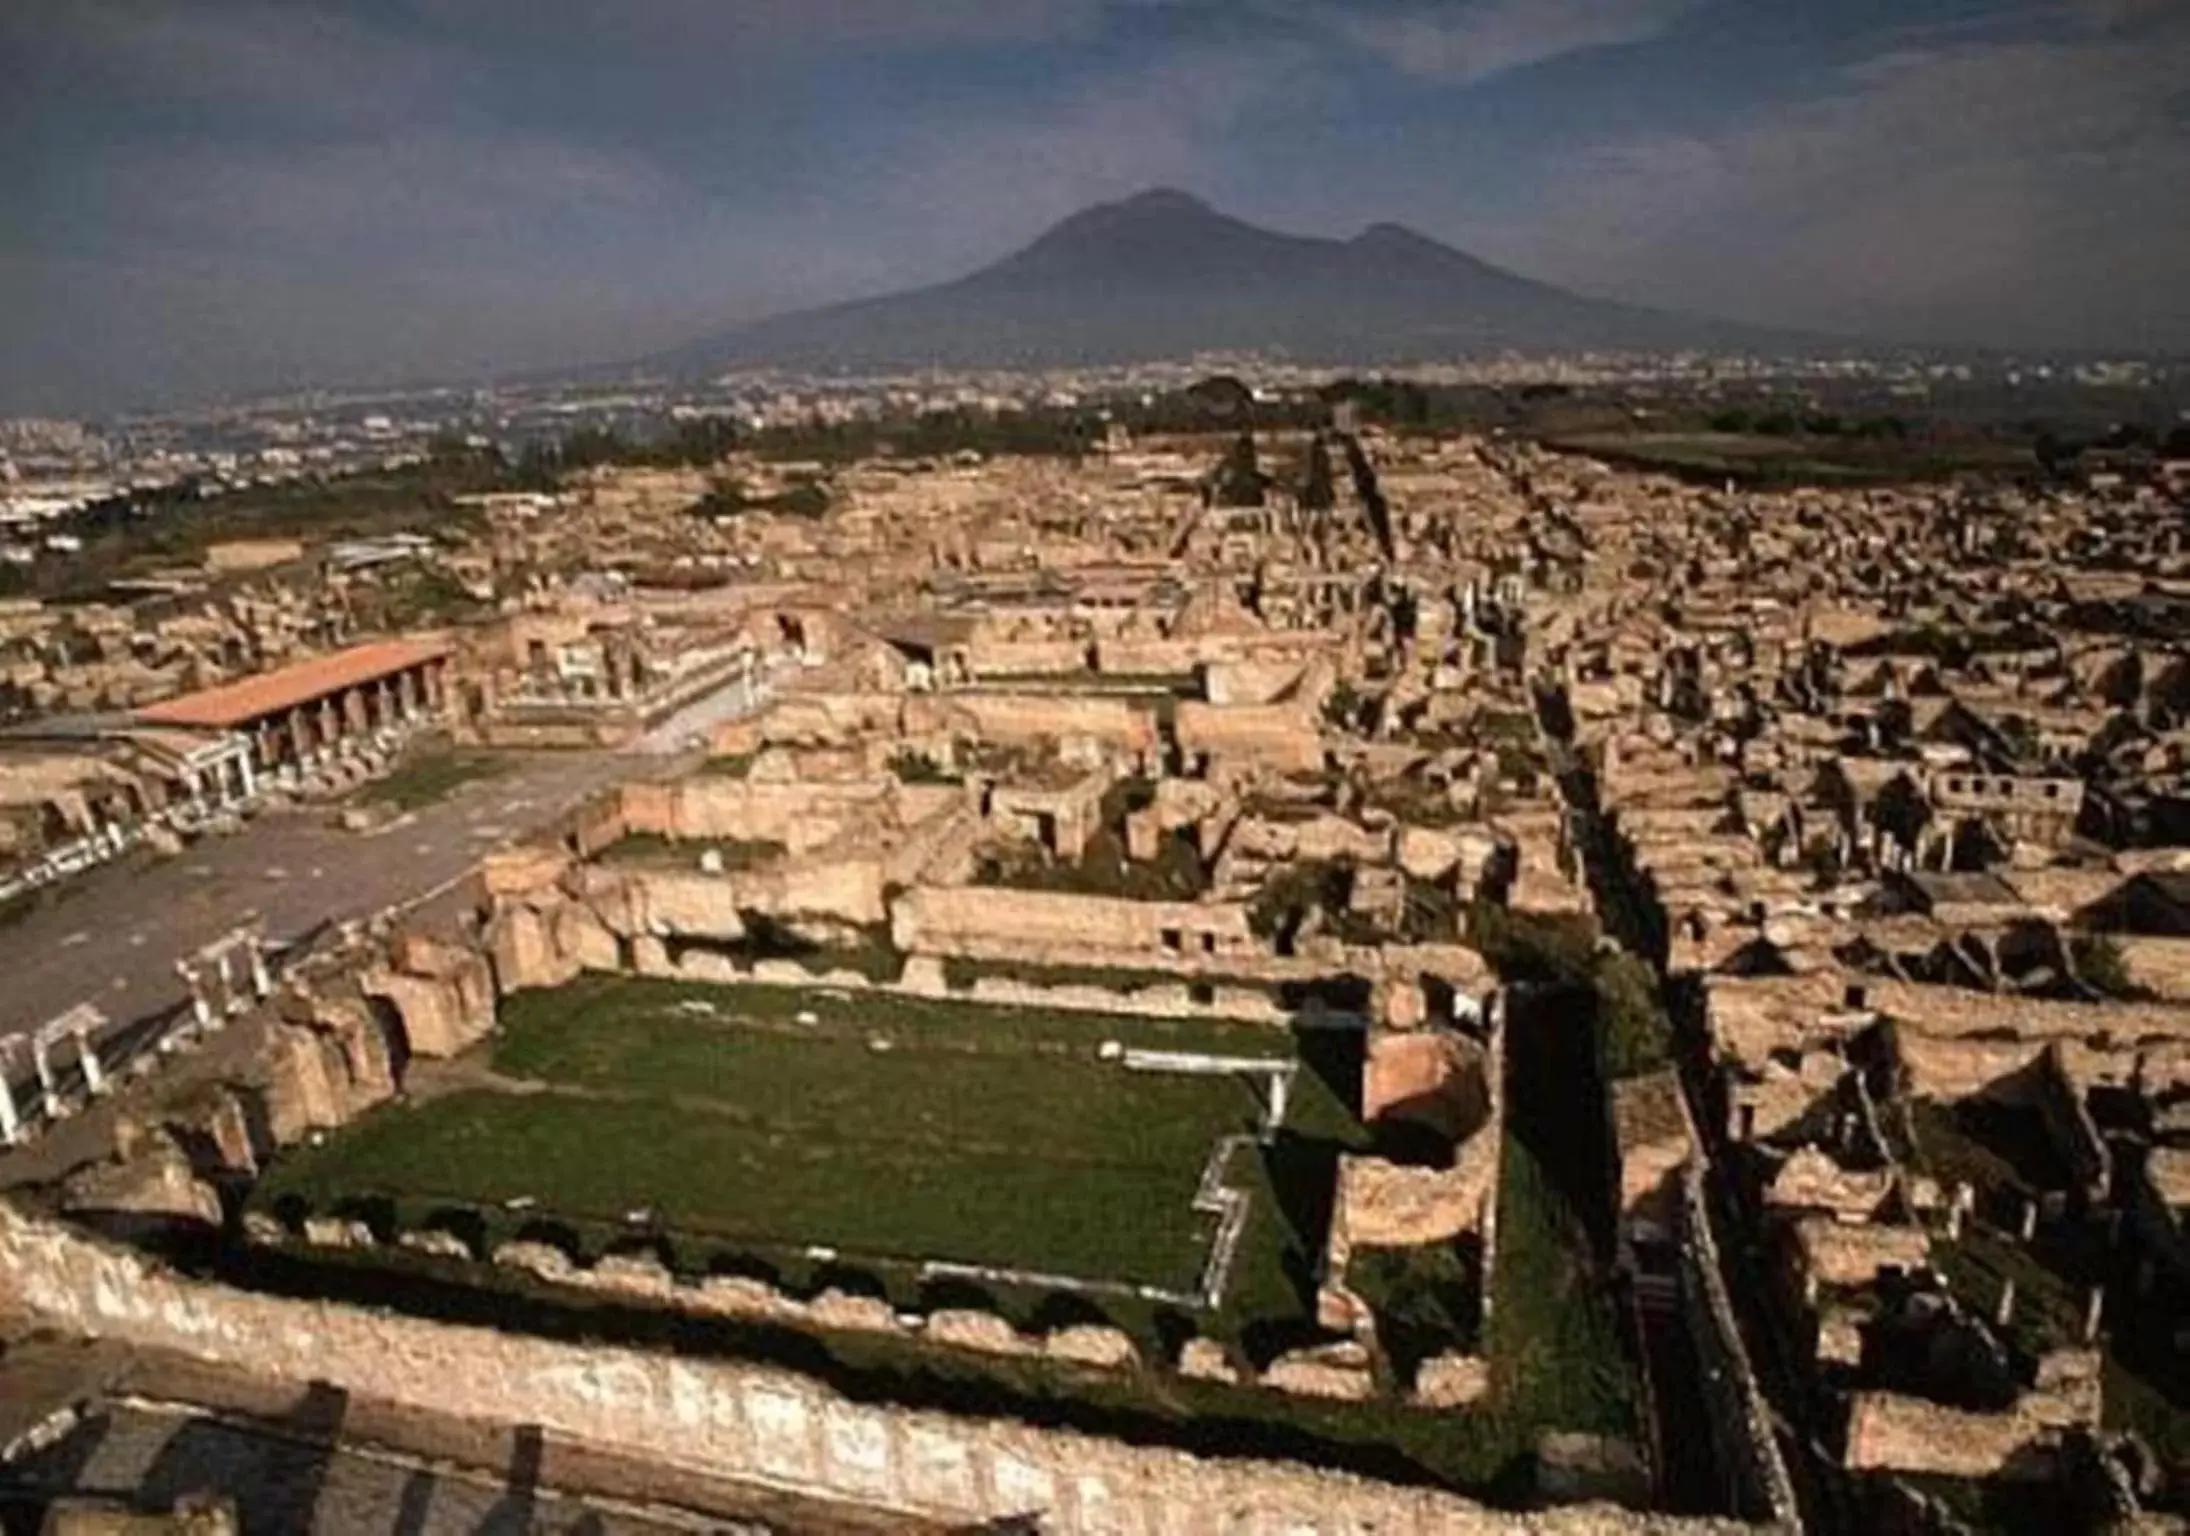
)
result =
(199, 196)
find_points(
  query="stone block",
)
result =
(545, 1261)
(1206, 1360)
(158, 1182)
(1092, 1344)
(1340, 1372)
(968, 1329)
(1451, 1381)
(842, 1309)
(437, 1243)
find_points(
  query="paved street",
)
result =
(112, 936)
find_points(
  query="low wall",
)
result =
(1031, 717)
(1892, 1433)
(726, 1419)
(996, 923)
(1283, 737)
(1748, 1456)
(799, 816)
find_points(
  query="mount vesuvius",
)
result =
(1163, 275)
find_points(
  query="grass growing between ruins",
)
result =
(1555, 1350)
(427, 778)
(651, 848)
(1555, 1355)
(979, 1135)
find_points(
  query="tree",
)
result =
(2101, 964)
(1317, 492)
(1239, 479)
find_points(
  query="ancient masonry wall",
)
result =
(1758, 1485)
(728, 1419)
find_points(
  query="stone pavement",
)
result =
(112, 936)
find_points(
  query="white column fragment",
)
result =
(262, 983)
(88, 1055)
(11, 1120)
(49, 1092)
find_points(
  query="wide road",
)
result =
(111, 936)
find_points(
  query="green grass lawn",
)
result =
(980, 1135)
(428, 777)
(997, 1132)
(1757, 458)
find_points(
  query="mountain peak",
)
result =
(1385, 232)
(1162, 274)
(1161, 200)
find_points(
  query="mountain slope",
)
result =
(1163, 275)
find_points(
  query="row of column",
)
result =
(225, 979)
(234, 963)
(228, 780)
(305, 733)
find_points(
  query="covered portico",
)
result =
(297, 717)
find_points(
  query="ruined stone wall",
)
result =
(989, 657)
(1169, 1000)
(1257, 681)
(940, 847)
(2069, 1125)
(1891, 1432)
(2161, 966)
(1758, 1486)
(1392, 1205)
(1151, 655)
(1951, 1069)
(1031, 717)
(727, 1419)
(1318, 837)
(1281, 737)
(564, 735)
(595, 824)
(799, 816)
(1053, 927)
(701, 905)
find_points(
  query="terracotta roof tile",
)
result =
(249, 698)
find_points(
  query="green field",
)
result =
(978, 1135)
(1085, 1159)
(1765, 461)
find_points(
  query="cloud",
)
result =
(302, 62)
(1999, 191)
(1476, 39)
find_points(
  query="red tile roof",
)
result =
(250, 698)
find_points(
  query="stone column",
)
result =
(11, 1121)
(49, 1093)
(231, 1001)
(262, 984)
(407, 692)
(1281, 1092)
(88, 1056)
(201, 1011)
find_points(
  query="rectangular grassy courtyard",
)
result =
(758, 1118)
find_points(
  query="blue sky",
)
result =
(211, 196)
